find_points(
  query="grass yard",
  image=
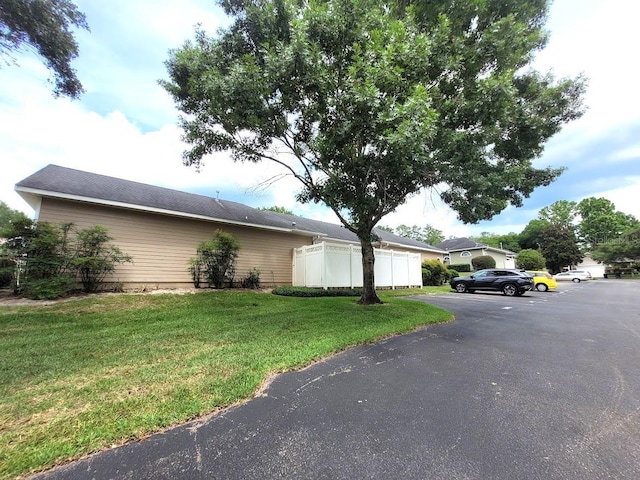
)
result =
(83, 375)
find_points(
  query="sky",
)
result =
(125, 125)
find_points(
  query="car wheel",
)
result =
(510, 290)
(576, 280)
(541, 287)
(461, 287)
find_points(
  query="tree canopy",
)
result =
(8, 216)
(561, 214)
(367, 103)
(277, 209)
(426, 234)
(507, 241)
(600, 222)
(46, 27)
(626, 248)
(560, 247)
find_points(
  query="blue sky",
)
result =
(125, 125)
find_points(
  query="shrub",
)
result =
(41, 252)
(530, 259)
(49, 261)
(453, 274)
(483, 261)
(460, 267)
(316, 292)
(195, 269)
(94, 258)
(7, 268)
(426, 276)
(216, 260)
(252, 280)
(49, 288)
(437, 271)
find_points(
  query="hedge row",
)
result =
(316, 292)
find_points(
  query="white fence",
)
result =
(330, 265)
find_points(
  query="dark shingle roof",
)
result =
(460, 244)
(63, 182)
(464, 243)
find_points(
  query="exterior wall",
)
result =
(501, 259)
(423, 255)
(429, 255)
(161, 245)
(596, 269)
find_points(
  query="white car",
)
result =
(576, 276)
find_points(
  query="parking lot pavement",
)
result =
(543, 386)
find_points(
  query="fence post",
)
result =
(324, 266)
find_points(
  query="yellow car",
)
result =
(542, 281)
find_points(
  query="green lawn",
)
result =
(83, 375)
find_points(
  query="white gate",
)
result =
(331, 265)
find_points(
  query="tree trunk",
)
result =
(369, 296)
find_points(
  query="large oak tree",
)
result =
(368, 102)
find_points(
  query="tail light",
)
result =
(549, 276)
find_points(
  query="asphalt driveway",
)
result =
(544, 386)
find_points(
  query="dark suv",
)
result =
(509, 282)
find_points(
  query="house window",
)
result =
(465, 254)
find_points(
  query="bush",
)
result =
(94, 258)
(195, 269)
(460, 267)
(252, 280)
(7, 268)
(483, 261)
(453, 274)
(530, 259)
(426, 276)
(316, 292)
(216, 260)
(49, 288)
(437, 272)
(50, 261)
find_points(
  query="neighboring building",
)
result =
(464, 250)
(596, 269)
(161, 228)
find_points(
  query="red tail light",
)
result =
(549, 276)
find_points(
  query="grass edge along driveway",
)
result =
(84, 375)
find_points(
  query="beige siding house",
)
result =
(464, 250)
(161, 228)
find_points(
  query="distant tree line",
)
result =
(562, 234)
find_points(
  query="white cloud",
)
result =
(625, 198)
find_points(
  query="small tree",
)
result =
(94, 258)
(530, 259)
(560, 247)
(483, 261)
(217, 258)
